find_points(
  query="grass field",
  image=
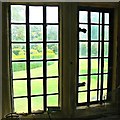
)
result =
(20, 87)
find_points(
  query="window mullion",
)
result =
(102, 58)
(28, 59)
(89, 61)
(44, 58)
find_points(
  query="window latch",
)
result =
(81, 84)
(82, 30)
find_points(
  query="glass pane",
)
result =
(94, 49)
(36, 33)
(105, 65)
(100, 49)
(99, 95)
(104, 97)
(106, 49)
(83, 49)
(94, 65)
(52, 85)
(18, 51)
(81, 80)
(37, 87)
(36, 14)
(106, 32)
(36, 69)
(20, 88)
(19, 70)
(83, 16)
(100, 32)
(18, 33)
(93, 82)
(36, 103)
(83, 36)
(21, 105)
(93, 96)
(106, 18)
(82, 97)
(105, 80)
(83, 66)
(36, 51)
(52, 68)
(18, 14)
(99, 81)
(52, 14)
(100, 18)
(94, 17)
(52, 100)
(94, 32)
(52, 50)
(52, 32)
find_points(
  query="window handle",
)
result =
(82, 30)
(81, 84)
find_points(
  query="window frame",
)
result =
(110, 56)
(27, 42)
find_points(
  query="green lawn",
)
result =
(20, 87)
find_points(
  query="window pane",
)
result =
(19, 69)
(105, 80)
(18, 51)
(94, 32)
(104, 97)
(106, 32)
(83, 16)
(106, 18)
(93, 82)
(52, 14)
(100, 65)
(94, 49)
(100, 32)
(18, 13)
(106, 49)
(18, 33)
(20, 88)
(83, 49)
(52, 85)
(94, 17)
(83, 66)
(82, 97)
(36, 69)
(52, 50)
(81, 80)
(21, 105)
(36, 51)
(36, 33)
(37, 87)
(100, 49)
(52, 68)
(52, 32)
(83, 36)
(100, 18)
(94, 65)
(99, 81)
(36, 103)
(105, 65)
(52, 100)
(36, 14)
(93, 96)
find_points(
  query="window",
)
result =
(34, 36)
(94, 55)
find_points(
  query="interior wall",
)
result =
(0, 60)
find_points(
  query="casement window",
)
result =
(34, 47)
(35, 56)
(94, 55)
